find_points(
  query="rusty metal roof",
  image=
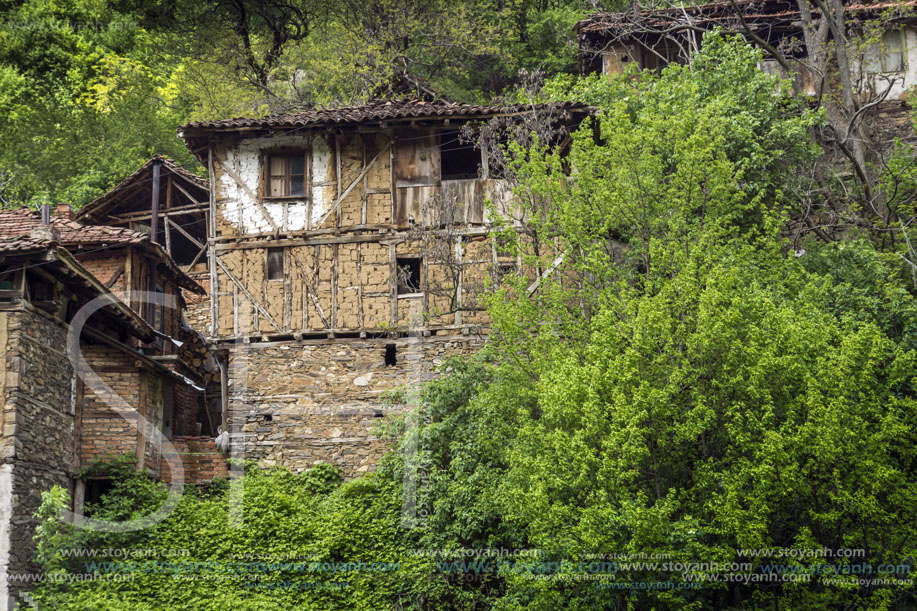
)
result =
(377, 111)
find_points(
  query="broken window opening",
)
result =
(275, 263)
(286, 175)
(391, 355)
(408, 269)
(458, 160)
(96, 488)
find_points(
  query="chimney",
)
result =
(64, 211)
(45, 231)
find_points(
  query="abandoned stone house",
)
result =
(323, 299)
(132, 389)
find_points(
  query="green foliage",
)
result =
(680, 384)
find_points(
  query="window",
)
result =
(408, 275)
(459, 160)
(275, 263)
(887, 55)
(286, 175)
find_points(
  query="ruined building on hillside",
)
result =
(322, 299)
(131, 388)
(879, 50)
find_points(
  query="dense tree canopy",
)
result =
(685, 386)
(91, 89)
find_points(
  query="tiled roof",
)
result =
(754, 12)
(18, 223)
(379, 110)
(21, 245)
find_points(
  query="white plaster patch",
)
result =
(6, 514)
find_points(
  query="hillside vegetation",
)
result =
(687, 389)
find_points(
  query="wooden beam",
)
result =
(245, 292)
(534, 286)
(188, 195)
(187, 235)
(350, 188)
(114, 278)
(248, 191)
(211, 235)
(312, 294)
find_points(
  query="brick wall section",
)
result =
(104, 268)
(200, 459)
(109, 422)
(299, 403)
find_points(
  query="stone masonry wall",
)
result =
(38, 433)
(300, 403)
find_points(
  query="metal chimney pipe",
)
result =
(45, 214)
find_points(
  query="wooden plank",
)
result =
(211, 235)
(232, 173)
(350, 188)
(287, 292)
(338, 178)
(459, 253)
(188, 195)
(334, 286)
(393, 283)
(313, 295)
(114, 278)
(534, 286)
(186, 234)
(248, 295)
(360, 320)
(166, 227)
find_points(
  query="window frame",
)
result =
(402, 262)
(267, 263)
(876, 64)
(268, 156)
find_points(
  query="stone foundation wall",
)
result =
(300, 403)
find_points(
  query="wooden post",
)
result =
(211, 252)
(154, 222)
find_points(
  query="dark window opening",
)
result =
(408, 275)
(505, 269)
(391, 356)
(286, 175)
(96, 489)
(275, 263)
(268, 417)
(183, 250)
(38, 288)
(459, 160)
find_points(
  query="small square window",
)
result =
(286, 175)
(459, 160)
(408, 275)
(275, 263)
